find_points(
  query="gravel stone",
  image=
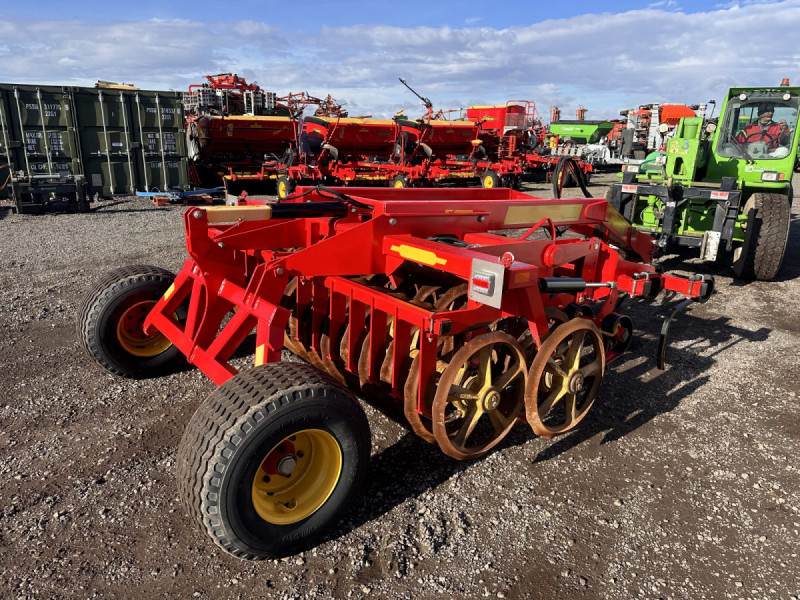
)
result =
(646, 498)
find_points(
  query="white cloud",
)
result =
(605, 62)
(77, 52)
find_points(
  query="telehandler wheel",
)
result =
(490, 179)
(284, 187)
(110, 323)
(766, 233)
(271, 458)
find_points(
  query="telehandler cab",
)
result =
(723, 188)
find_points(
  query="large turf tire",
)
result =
(235, 431)
(102, 310)
(767, 231)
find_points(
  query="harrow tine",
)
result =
(662, 340)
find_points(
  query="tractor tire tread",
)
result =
(772, 214)
(223, 421)
(94, 301)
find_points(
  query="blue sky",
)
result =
(604, 56)
(309, 16)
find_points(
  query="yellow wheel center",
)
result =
(488, 182)
(296, 477)
(131, 335)
(282, 189)
(575, 383)
(398, 184)
(490, 400)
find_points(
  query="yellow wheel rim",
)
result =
(399, 183)
(297, 476)
(488, 182)
(132, 337)
(282, 192)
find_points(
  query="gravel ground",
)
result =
(679, 484)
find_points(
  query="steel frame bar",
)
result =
(238, 270)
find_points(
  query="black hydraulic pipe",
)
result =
(557, 285)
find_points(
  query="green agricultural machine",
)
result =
(581, 132)
(723, 188)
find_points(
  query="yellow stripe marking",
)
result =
(169, 291)
(260, 355)
(426, 257)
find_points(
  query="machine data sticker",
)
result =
(616, 221)
(629, 189)
(719, 195)
(530, 214)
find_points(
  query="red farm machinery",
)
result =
(401, 152)
(243, 136)
(458, 312)
(514, 133)
(231, 125)
(395, 152)
(234, 129)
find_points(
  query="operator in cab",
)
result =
(766, 130)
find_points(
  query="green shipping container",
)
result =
(116, 141)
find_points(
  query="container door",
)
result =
(47, 144)
(106, 138)
(7, 150)
(161, 141)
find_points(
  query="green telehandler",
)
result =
(723, 188)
